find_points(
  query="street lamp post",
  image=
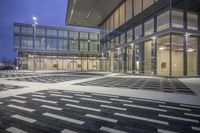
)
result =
(34, 30)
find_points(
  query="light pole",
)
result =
(34, 30)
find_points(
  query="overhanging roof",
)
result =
(89, 13)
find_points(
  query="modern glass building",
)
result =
(150, 37)
(54, 48)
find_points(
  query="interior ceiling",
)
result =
(89, 13)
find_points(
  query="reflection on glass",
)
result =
(192, 55)
(177, 55)
(163, 21)
(163, 55)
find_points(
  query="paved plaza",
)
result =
(67, 102)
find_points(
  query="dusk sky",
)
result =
(48, 12)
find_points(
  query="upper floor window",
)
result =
(63, 33)
(27, 30)
(51, 32)
(149, 27)
(147, 3)
(16, 29)
(192, 21)
(163, 21)
(138, 32)
(177, 19)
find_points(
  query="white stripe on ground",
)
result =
(190, 114)
(142, 118)
(55, 92)
(144, 107)
(69, 91)
(69, 100)
(45, 101)
(51, 107)
(40, 96)
(26, 119)
(111, 130)
(178, 118)
(56, 95)
(101, 118)
(21, 108)
(165, 131)
(171, 107)
(113, 107)
(121, 100)
(22, 97)
(18, 101)
(95, 100)
(39, 93)
(104, 95)
(82, 107)
(15, 130)
(80, 95)
(147, 100)
(195, 128)
(64, 118)
(190, 106)
(67, 131)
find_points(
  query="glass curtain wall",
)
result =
(192, 43)
(163, 55)
(163, 21)
(177, 55)
(148, 57)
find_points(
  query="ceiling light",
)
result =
(190, 50)
(161, 48)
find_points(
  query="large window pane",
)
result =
(147, 3)
(40, 43)
(40, 31)
(73, 35)
(73, 45)
(129, 11)
(94, 46)
(192, 21)
(16, 29)
(84, 46)
(16, 42)
(51, 32)
(63, 44)
(51, 44)
(129, 35)
(137, 7)
(117, 41)
(84, 35)
(94, 36)
(27, 42)
(107, 26)
(177, 55)
(122, 14)
(27, 30)
(122, 39)
(177, 19)
(149, 27)
(111, 22)
(163, 55)
(129, 58)
(163, 21)
(116, 18)
(63, 33)
(147, 57)
(192, 56)
(138, 32)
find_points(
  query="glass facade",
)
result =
(163, 42)
(57, 48)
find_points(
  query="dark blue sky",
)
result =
(49, 12)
